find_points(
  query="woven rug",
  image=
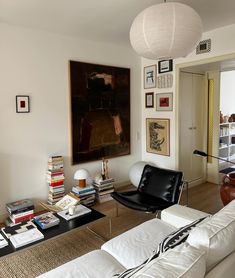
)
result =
(45, 256)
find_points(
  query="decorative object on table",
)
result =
(22, 104)
(150, 77)
(227, 189)
(68, 200)
(100, 116)
(149, 100)
(81, 175)
(158, 136)
(165, 81)
(20, 211)
(104, 169)
(103, 188)
(55, 179)
(164, 102)
(136, 171)
(26, 238)
(78, 211)
(85, 194)
(18, 228)
(3, 241)
(46, 220)
(166, 30)
(165, 66)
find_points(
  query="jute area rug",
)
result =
(43, 257)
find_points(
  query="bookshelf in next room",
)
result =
(55, 179)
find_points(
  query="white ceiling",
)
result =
(102, 20)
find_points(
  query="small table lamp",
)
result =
(81, 175)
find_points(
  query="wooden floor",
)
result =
(204, 197)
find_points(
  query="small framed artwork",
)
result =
(22, 104)
(158, 136)
(149, 101)
(150, 77)
(164, 102)
(165, 66)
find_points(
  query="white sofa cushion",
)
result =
(98, 264)
(180, 216)
(183, 261)
(133, 247)
(216, 236)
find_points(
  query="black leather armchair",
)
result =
(158, 189)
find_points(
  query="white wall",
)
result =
(223, 43)
(35, 63)
(227, 93)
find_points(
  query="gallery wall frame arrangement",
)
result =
(150, 77)
(158, 136)
(164, 102)
(100, 111)
(149, 100)
(22, 104)
(165, 66)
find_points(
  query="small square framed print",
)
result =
(22, 104)
(150, 77)
(149, 100)
(165, 66)
(164, 102)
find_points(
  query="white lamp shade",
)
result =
(136, 172)
(81, 174)
(166, 30)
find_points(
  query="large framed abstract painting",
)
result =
(100, 111)
(158, 136)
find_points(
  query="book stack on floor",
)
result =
(104, 188)
(86, 194)
(22, 234)
(55, 179)
(20, 211)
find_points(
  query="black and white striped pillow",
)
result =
(172, 240)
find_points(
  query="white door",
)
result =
(192, 103)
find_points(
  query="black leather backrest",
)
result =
(161, 183)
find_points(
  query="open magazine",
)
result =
(63, 204)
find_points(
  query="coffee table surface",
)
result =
(63, 227)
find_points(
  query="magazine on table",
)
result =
(46, 220)
(79, 210)
(3, 241)
(18, 228)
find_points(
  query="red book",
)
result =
(56, 183)
(22, 219)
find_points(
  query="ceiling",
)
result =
(102, 20)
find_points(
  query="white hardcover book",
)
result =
(3, 241)
(78, 211)
(25, 238)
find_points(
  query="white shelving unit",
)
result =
(227, 141)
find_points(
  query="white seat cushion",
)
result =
(136, 245)
(98, 264)
(216, 236)
(180, 216)
(183, 261)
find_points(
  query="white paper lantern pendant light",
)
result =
(166, 30)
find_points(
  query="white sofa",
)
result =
(208, 251)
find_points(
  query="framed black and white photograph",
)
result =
(165, 66)
(149, 100)
(150, 77)
(164, 102)
(22, 104)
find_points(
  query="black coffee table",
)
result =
(63, 227)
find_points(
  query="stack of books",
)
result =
(86, 194)
(104, 188)
(55, 179)
(20, 211)
(46, 220)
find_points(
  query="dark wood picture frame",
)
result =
(100, 111)
(165, 66)
(22, 104)
(149, 100)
